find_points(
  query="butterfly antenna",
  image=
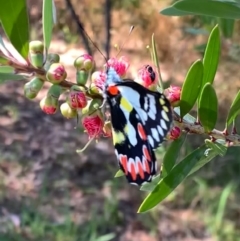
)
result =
(129, 33)
(93, 43)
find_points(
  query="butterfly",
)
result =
(140, 119)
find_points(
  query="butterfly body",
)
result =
(140, 119)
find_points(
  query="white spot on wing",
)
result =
(150, 139)
(164, 115)
(160, 131)
(155, 134)
(163, 124)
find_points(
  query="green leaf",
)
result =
(189, 118)
(119, 173)
(149, 186)
(48, 21)
(14, 19)
(208, 107)
(4, 77)
(191, 87)
(6, 69)
(172, 154)
(226, 26)
(217, 147)
(211, 56)
(213, 8)
(207, 157)
(234, 110)
(172, 180)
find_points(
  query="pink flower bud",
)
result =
(147, 77)
(67, 111)
(77, 99)
(84, 62)
(93, 125)
(173, 95)
(56, 73)
(98, 80)
(49, 105)
(120, 65)
(175, 133)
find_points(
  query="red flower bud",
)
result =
(67, 111)
(56, 73)
(77, 99)
(84, 62)
(173, 95)
(175, 133)
(147, 77)
(49, 105)
(93, 125)
(120, 65)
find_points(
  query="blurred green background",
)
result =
(49, 192)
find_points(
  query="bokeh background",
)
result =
(48, 192)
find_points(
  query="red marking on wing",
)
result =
(146, 153)
(146, 166)
(140, 170)
(141, 132)
(133, 172)
(123, 160)
(113, 90)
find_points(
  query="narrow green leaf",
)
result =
(4, 77)
(207, 157)
(191, 87)
(234, 110)
(211, 56)
(6, 69)
(172, 180)
(213, 8)
(47, 21)
(119, 173)
(208, 107)
(14, 19)
(156, 62)
(189, 118)
(149, 186)
(172, 154)
(217, 147)
(226, 26)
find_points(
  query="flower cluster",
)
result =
(85, 96)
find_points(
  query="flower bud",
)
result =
(49, 104)
(82, 77)
(98, 80)
(84, 62)
(36, 55)
(175, 133)
(51, 58)
(92, 106)
(147, 77)
(67, 111)
(56, 73)
(77, 98)
(93, 125)
(174, 94)
(32, 88)
(120, 65)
